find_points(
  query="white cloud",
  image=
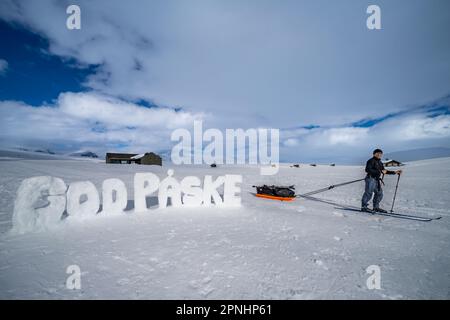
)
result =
(291, 142)
(425, 128)
(247, 65)
(116, 113)
(3, 66)
(261, 64)
(103, 123)
(408, 131)
(89, 119)
(345, 136)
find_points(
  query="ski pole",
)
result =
(395, 194)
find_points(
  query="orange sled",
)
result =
(266, 196)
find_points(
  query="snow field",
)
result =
(265, 249)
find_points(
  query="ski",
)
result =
(355, 209)
(412, 216)
(394, 215)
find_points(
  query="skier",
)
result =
(375, 169)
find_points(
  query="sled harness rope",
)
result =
(328, 188)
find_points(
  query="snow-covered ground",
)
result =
(266, 249)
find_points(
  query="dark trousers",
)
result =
(373, 187)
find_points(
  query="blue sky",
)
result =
(43, 75)
(134, 73)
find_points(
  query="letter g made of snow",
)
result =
(39, 204)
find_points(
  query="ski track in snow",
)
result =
(264, 250)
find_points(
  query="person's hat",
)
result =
(377, 151)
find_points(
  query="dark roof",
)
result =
(152, 154)
(389, 161)
(128, 155)
(121, 155)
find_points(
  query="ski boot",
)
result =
(379, 210)
(365, 209)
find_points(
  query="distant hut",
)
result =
(148, 158)
(393, 163)
(333, 165)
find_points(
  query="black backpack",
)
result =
(276, 191)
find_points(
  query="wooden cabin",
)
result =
(393, 163)
(148, 158)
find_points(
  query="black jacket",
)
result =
(374, 168)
